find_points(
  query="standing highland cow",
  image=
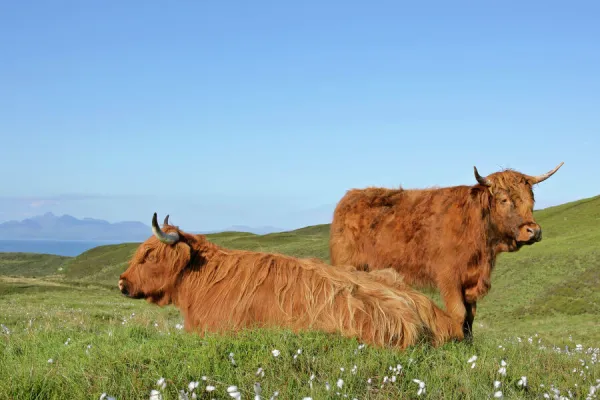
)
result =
(444, 237)
(220, 289)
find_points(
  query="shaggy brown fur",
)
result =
(444, 237)
(220, 289)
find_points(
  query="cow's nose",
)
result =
(535, 232)
(123, 287)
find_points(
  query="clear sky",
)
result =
(266, 112)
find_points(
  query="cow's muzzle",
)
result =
(530, 233)
(123, 287)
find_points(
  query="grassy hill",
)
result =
(544, 301)
(30, 265)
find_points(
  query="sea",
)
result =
(70, 248)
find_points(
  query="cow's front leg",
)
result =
(455, 306)
(470, 309)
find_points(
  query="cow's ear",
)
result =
(179, 256)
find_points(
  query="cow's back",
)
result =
(356, 219)
(408, 230)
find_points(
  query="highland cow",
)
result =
(446, 238)
(218, 289)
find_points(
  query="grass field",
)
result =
(68, 333)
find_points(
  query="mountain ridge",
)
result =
(49, 226)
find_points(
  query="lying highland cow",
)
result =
(448, 237)
(220, 289)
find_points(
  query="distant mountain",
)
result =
(66, 227)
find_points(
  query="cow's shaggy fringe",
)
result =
(220, 289)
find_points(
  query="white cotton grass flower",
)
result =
(421, 386)
(210, 388)
(497, 384)
(298, 352)
(234, 392)
(183, 395)
(193, 385)
(50, 361)
(260, 372)
(502, 369)
(275, 353)
(5, 329)
(360, 347)
(257, 391)
(498, 394)
(472, 361)
(340, 383)
(161, 383)
(155, 395)
(522, 381)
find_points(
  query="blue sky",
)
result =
(265, 112)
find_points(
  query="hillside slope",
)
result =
(30, 265)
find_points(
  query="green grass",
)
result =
(30, 265)
(544, 301)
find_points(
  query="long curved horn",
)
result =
(482, 181)
(168, 238)
(543, 177)
(166, 221)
